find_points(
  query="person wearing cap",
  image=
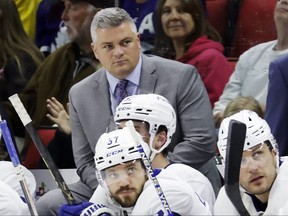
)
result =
(263, 177)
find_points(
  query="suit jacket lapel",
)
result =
(148, 76)
(102, 94)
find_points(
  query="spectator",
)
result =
(184, 33)
(125, 179)
(263, 183)
(117, 46)
(243, 103)
(252, 66)
(19, 57)
(276, 113)
(56, 75)
(62, 69)
(48, 22)
(142, 12)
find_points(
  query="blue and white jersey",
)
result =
(143, 18)
(195, 179)
(10, 201)
(176, 180)
(181, 198)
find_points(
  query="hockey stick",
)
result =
(27, 122)
(235, 143)
(149, 169)
(16, 163)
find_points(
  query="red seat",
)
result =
(32, 158)
(255, 23)
(217, 15)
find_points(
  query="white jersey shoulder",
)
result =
(181, 199)
(10, 201)
(195, 179)
(277, 201)
(9, 176)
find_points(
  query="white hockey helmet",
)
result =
(151, 108)
(115, 148)
(258, 131)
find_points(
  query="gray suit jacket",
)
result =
(90, 111)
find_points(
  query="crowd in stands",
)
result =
(73, 61)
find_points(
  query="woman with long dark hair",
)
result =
(19, 56)
(184, 33)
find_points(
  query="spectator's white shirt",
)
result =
(250, 77)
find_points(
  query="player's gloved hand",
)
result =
(97, 210)
(75, 210)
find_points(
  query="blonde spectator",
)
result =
(241, 103)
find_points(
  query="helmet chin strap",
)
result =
(153, 151)
(277, 160)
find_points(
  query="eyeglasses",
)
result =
(255, 155)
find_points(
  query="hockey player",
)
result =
(121, 172)
(263, 183)
(12, 199)
(155, 119)
(155, 110)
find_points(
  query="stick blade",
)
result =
(235, 144)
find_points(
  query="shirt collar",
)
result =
(133, 77)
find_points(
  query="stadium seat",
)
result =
(255, 23)
(217, 15)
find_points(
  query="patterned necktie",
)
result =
(121, 90)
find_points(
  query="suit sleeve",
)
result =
(194, 139)
(83, 154)
(276, 113)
